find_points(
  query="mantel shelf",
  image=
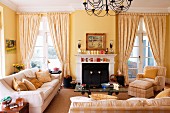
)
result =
(83, 55)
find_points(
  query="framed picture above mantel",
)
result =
(95, 41)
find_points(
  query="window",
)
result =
(141, 55)
(44, 50)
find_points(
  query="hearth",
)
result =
(94, 74)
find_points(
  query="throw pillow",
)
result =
(102, 96)
(17, 84)
(150, 73)
(36, 82)
(29, 85)
(44, 76)
(165, 93)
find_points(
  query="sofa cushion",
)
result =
(141, 84)
(43, 76)
(18, 85)
(29, 85)
(29, 74)
(108, 103)
(46, 91)
(53, 83)
(165, 93)
(150, 73)
(165, 101)
(35, 82)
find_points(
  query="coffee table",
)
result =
(110, 90)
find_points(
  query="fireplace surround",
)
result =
(97, 60)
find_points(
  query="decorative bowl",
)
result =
(105, 85)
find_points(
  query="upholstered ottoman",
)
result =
(141, 88)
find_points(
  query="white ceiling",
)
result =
(71, 5)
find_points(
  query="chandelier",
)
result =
(96, 7)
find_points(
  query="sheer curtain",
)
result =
(28, 31)
(59, 30)
(156, 31)
(127, 26)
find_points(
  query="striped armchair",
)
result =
(158, 81)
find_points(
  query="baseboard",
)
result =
(167, 81)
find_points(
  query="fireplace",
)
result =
(104, 61)
(94, 74)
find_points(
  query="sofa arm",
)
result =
(34, 98)
(160, 80)
(55, 76)
(139, 75)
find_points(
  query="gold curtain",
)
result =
(127, 26)
(156, 31)
(59, 29)
(28, 31)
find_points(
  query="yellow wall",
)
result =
(81, 23)
(9, 33)
(167, 48)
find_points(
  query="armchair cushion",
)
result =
(150, 73)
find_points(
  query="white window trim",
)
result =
(2, 46)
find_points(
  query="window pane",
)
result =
(150, 61)
(144, 29)
(132, 73)
(135, 52)
(50, 43)
(145, 41)
(38, 52)
(53, 63)
(39, 41)
(41, 26)
(136, 43)
(37, 62)
(132, 63)
(149, 52)
(51, 53)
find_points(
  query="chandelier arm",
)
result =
(96, 7)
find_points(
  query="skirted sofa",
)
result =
(133, 105)
(38, 99)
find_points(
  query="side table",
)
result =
(21, 109)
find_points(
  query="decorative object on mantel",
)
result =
(97, 7)
(95, 41)
(79, 46)
(111, 46)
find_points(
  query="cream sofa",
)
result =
(132, 105)
(38, 99)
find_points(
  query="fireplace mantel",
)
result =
(93, 58)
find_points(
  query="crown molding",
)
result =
(9, 4)
(46, 9)
(149, 10)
